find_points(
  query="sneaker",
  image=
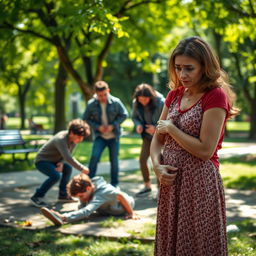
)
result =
(143, 192)
(66, 199)
(51, 216)
(38, 201)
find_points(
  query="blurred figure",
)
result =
(146, 110)
(34, 127)
(3, 120)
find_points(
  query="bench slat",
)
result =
(20, 150)
(13, 138)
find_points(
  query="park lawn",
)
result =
(16, 241)
(239, 172)
(129, 148)
(48, 242)
(238, 126)
(14, 122)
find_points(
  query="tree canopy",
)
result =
(50, 45)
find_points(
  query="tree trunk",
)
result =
(22, 103)
(252, 133)
(22, 100)
(218, 40)
(59, 99)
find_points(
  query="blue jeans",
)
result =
(48, 168)
(99, 145)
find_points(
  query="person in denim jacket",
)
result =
(105, 113)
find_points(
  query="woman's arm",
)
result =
(204, 146)
(161, 171)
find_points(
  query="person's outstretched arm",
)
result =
(127, 207)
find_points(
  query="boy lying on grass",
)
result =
(95, 195)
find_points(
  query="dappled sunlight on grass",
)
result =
(238, 126)
(243, 241)
(239, 172)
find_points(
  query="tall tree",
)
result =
(90, 25)
(18, 67)
(233, 24)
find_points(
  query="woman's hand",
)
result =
(164, 126)
(166, 174)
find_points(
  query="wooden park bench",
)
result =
(11, 142)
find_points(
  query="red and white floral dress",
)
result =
(191, 218)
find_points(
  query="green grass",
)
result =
(16, 241)
(238, 126)
(14, 122)
(243, 243)
(239, 172)
(112, 222)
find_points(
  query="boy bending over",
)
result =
(95, 195)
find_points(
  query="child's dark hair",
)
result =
(79, 127)
(100, 86)
(78, 184)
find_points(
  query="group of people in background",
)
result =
(182, 134)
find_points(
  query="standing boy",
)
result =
(105, 113)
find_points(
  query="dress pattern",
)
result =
(191, 219)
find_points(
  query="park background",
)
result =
(52, 52)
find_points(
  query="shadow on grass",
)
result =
(7, 165)
(248, 159)
(243, 182)
(46, 242)
(130, 251)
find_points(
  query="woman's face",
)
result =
(143, 100)
(188, 70)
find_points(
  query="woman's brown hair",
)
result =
(213, 75)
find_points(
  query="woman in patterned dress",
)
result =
(191, 218)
